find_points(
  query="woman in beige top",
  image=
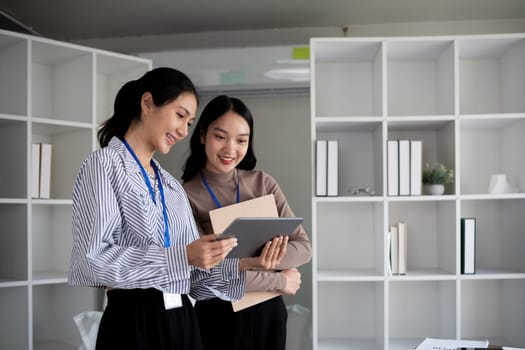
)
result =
(219, 172)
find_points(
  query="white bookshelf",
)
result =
(463, 97)
(57, 93)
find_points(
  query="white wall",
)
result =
(232, 68)
(282, 143)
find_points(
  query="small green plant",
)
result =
(437, 174)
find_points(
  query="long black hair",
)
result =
(164, 84)
(216, 108)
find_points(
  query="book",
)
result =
(220, 218)
(404, 167)
(393, 167)
(468, 245)
(35, 170)
(403, 247)
(332, 168)
(389, 247)
(45, 170)
(394, 249)
(416, 167)
(321, 153)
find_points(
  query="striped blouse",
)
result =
(118, 232)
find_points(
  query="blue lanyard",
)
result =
(152, 192)
(210, 191)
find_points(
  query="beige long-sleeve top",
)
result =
(252, 184)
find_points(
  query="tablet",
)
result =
(253, 233)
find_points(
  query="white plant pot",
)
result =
(434, 190)
(499, 184)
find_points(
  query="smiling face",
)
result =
(226, 142)
(167, 124)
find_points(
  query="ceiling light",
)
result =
(291, 74)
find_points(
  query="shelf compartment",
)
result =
(431, 237)
(350, 240)
(488, 146)
(360, 143)
(491, 75)
(350, 315)
(51, 241)
(13, 155)
(53, 309)
(493, 310)
(13, 242)
(420, 309)
(348, 78)
(438, 138)
(420, 77)
(70, 146)
(13, 70)
(62, 82)
(112, 72)
(14, 333)
(500, 239)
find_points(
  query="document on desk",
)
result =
(220, 219)
(451, 344)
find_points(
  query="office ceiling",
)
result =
(71, 20)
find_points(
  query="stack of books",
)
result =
(404, 166)
(398, 248)
(326, 163)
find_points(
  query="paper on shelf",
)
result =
(451, 344)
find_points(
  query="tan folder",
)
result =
(220, 219)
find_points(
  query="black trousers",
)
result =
(260, 327)
(136, 319)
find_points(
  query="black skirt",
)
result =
(136, 319)
(260, 327)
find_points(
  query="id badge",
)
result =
(172, 301)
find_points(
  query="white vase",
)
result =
(499, 184)
(434, 190)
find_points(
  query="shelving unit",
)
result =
(463, 97)
(56, 93)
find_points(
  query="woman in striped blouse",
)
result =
(133, 230)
